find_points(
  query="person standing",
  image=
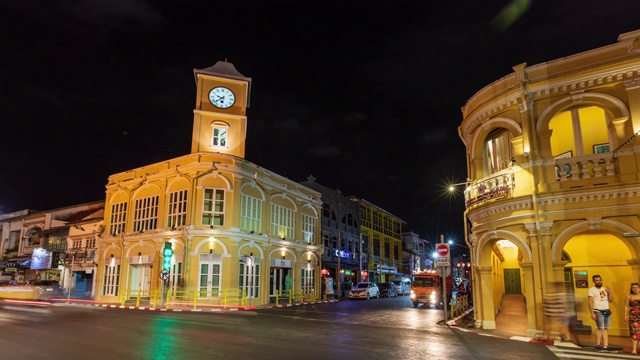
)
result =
(632, 315)
(599, 299)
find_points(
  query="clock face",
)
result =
(221, 97)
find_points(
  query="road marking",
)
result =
(587, 353)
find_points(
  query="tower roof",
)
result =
(222, 69)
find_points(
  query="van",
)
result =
(403, 286)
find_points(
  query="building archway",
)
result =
(489, 261)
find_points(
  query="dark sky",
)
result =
(365, 96)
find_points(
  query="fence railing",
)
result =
(459, 305)
(207, 299)
(295, 296)
(148, 296)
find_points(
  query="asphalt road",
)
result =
(350, 329)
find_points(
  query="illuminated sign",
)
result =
(342, 254)
(40, 259)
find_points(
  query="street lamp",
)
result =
(452, 189)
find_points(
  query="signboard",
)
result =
(447, 271)
(443, 261)
(40, 259)
(582, 278)
(442, 250)
(386, 269)
(164, 274)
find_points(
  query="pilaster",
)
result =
(486, 312)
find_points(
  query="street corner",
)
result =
(463, 321)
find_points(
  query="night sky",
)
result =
(365, 96)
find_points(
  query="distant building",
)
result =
(382, 231)
(341, 242)
(41, 244)
(415, 253)
(553, 153)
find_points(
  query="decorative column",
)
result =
(635, 269)
(529, 292)
(486, 313)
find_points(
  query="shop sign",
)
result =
(342, 254)
(386, 269)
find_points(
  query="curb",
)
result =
(150, 308)
(454, 325)
(304, 303)
(143, 308)
(219, 309)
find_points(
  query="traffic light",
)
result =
(166, 256)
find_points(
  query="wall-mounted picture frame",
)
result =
(601, 148)
(567, 154)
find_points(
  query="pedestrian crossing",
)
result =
(588, 353)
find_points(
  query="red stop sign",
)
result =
(442, 250)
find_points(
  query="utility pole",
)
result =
(339, 252)
(444, 285)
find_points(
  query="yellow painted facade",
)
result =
(240, 234)
(554, 181)
(382, 232)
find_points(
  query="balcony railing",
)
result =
(496, 186)
(584, 167)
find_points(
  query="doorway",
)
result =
(512, 283)
(249, 278)
(281, 282)
(140, 281)
(209, 276)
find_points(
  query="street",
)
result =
(349, 329)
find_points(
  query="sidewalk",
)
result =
(511, 323)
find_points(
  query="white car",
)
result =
(403, 286)
(364, 290)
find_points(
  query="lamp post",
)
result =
(452, 188)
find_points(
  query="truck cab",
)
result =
(426, 288)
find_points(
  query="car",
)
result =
(403, 286)
(46, 289)
(364, 290)
(388, 289)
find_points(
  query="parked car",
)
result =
(364, 290)
(403, 286)
(388, 289)
(46, 289)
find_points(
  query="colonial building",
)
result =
(36, 244)
(344, 252)
(239, 232)
(552, 153)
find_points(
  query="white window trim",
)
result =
(213, 211)
(250, 213)
(282, 221)
(217, 125)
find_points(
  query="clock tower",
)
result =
(219, 118)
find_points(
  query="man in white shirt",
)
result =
(599, 299)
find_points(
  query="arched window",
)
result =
(219, 134)
(498, 151)
(579, 131)
(34, 237)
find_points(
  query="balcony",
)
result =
(571, 169)
(497, 186)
